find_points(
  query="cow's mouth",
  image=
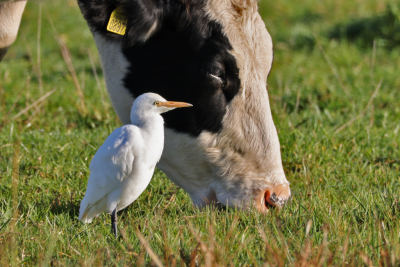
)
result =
(270, 198)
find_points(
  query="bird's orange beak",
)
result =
(172, 104)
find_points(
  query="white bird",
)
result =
(123, 166)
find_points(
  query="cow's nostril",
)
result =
(267, 197)
(270, 198)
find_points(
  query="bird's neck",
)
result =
(148, 121)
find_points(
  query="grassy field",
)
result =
(335, 97)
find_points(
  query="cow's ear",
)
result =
(142, 19)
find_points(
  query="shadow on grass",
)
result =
(385, 28)
(62, 205)
(387, 161)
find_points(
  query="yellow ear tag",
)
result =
(118, 22)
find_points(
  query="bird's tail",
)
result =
(84, 211)
(90, 209)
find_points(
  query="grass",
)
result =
(335, 103)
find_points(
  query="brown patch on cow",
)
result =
(241, 6)
(238, 9)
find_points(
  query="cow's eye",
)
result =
(217, 80)
(156, 103)
(215, 77)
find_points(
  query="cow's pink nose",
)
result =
(277, 195)
(273, 196)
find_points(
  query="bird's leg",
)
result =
(114, 222)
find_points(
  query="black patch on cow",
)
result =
(187, 58)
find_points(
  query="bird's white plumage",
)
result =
(123, 166)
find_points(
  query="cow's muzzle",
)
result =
(273, 196)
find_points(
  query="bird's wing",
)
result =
(114, 159)
(112, 164)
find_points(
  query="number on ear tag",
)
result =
(118, 22)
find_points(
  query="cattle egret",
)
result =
(123, 166)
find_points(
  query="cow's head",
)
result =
(215, 54)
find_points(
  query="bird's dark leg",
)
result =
(114, 222)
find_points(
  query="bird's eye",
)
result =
(156, 103)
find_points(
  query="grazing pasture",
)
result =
(335, 99)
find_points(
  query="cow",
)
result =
(216, 55)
